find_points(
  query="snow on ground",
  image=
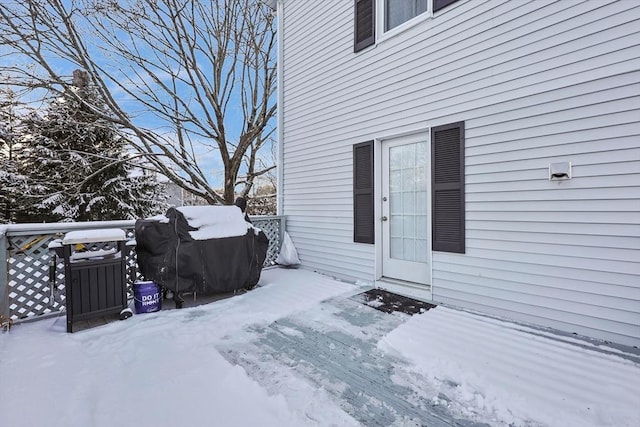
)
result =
(301, 350)
(516, 373)
(159, 369)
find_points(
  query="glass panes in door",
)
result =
(408, 202)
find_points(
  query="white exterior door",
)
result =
(405, 210)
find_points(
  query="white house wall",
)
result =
(535, 83)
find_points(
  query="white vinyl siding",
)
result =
(535, 82)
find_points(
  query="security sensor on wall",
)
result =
(559, 171)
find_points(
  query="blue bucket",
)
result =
(147, 296)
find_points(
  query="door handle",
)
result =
(384, 218)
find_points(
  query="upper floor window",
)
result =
(393, 14)
(400, 11)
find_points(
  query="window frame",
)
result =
(378, 32)
(382, 23)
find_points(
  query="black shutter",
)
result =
(447, 185)
(440, 4)
(364, 24)
(363, 230)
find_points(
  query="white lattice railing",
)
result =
(27, 291)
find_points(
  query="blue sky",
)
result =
(207, 158)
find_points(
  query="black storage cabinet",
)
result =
(95, 279)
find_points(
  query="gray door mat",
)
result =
(389, 302)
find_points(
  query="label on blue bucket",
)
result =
(147, 296)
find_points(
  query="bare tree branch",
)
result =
(191, 82)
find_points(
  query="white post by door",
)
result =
(405, 210)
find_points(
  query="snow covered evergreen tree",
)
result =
(12, 184)
(78, 165)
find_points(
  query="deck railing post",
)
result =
(4, 273)
(283, 228)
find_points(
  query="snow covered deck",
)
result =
(303, 349)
